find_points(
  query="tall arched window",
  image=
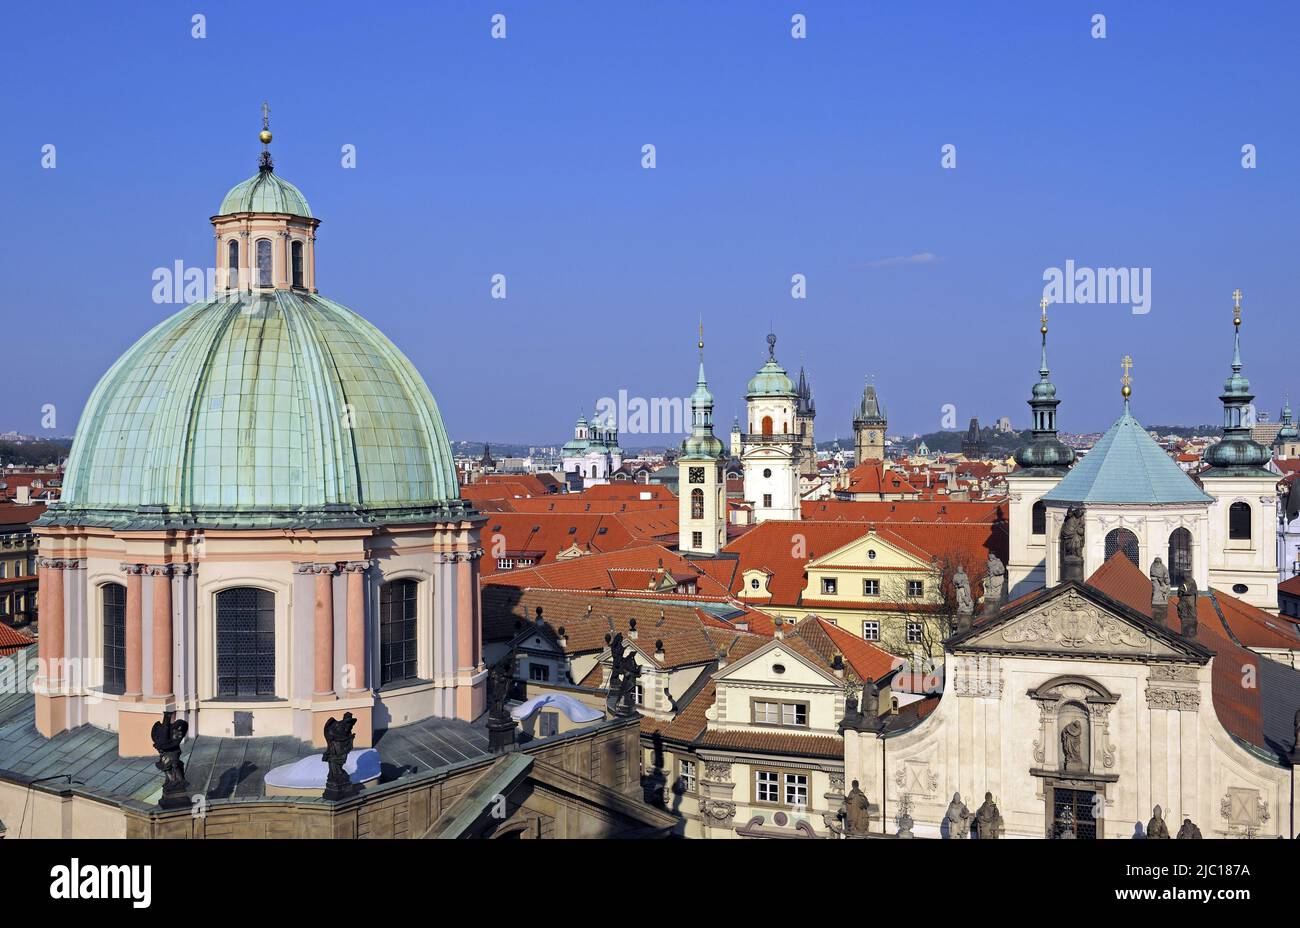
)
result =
(1180, 556)
(114, 618)
(1038, 519)
(1121, 539)
(232, 263)
(397, 631)
(697, 504)
(296, 258)
(245, 643)
(1239, 522)
(264, 262)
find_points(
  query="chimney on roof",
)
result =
(631, 629)
(779, 631)
(539, 616)
(722, 658)
(659, 650)
(837, 664)
(563, 638)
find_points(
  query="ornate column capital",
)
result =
(356, 566)
(158, 570)
(58, 563)
(316, 568)
(132, 570)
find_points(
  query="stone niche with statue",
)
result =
(1076, 715)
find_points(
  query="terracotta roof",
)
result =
(11, 641)
(690, 636)
(771, 546)
(1290, 587)
(904, 510)
(629, 492)
(863, 658)
(1239, 708)
(628, 569)
(543, 536)
(873, 477)
(774, 742)
(11, 514)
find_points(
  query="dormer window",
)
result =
(264, 262)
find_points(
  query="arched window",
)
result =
(1038, 519)
(1121, 539)
(697, 504)
(767, 425)
(1180, 556)
(296, 252)
(397, 631)
(245, 643)
(232, 263)
(114, 638)
(264, 262)
(1239, 522)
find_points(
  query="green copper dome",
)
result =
(771, 379)
(264, 192)
(287, 410)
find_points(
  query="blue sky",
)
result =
(775, 156)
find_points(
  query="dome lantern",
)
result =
(265, 231)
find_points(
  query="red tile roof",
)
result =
(772, 546)
(1238, 707)
(11, 641)
(874, 478)
(626, 569)
(543, 536)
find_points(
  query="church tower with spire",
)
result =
(869, 426)
(805, 411)
(702, 488)
(1043, 461)
(1243, 516)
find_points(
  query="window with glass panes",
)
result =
(871, 630)
(245, 643)
(767, 786)
(796, 789)
(913, 632)
(114, 638)
(686, 775)
(397, 631)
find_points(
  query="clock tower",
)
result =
(701, 487)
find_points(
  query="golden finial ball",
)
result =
(265, 136)
(1127, 391)
(1043, 330)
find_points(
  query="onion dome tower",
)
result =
(702, 502)
(1287, 442)
(1044, 453)
(1243, 519)
(1237, 452)
(1043, 462)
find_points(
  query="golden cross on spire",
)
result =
(701, 333)
(1127, 364)
(1236, 306)
(1043, 303)
(265, 134)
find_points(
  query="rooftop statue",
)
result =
(988, 820)
(168, 736)
(1187, 607)
(339, 739)
(1159, 583)
(857, 813)
(958, 818)
(1156, 828)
